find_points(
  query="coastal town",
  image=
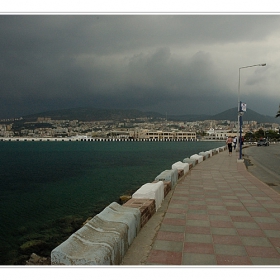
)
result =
(134, 129)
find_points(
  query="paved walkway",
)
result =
(219, 214)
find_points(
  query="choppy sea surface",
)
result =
(48, 189)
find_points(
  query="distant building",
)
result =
(167, 135)
(152, 135)
(217, 134)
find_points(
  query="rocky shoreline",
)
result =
(37, 260)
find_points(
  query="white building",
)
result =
(217, 134)
(152, 135)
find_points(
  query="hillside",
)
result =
(95, 114)
(92, 114)
(249, 115)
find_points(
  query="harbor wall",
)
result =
(90, 139)
(105, 239)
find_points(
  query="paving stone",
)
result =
(198, 223)
(227, 239)
(198, 248)
(219, 218)
(175, 216)
(234, 250)
(198, 229)
(158, 257)
(167, 227)
(198, 238)
(264, 252)
(233, 260)
(219, 214)
(272, 233)
(265, 220)
(176, 211)
(164, 245)
(198, 259)
(239, 213)
(246, 225)
(265, 261)
(255, 241)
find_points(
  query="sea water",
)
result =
(48, 189)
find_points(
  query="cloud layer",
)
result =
(175, 64)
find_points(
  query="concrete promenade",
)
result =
(218, 214)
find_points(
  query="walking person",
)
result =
(229, 143)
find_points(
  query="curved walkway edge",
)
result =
(218, 214)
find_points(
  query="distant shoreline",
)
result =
(81, 139)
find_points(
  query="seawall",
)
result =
(105, 239)
(90, 139)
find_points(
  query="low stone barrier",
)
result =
(147, 208)
(214, 152)
(181, 166)
(197, 157)
(205, 155)
(115, 212)
(105, 238)
(167, 187)
(151, 191)
(168, 175)
(190, 161)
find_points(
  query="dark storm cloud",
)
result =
(167, 63)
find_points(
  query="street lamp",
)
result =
(239, 111)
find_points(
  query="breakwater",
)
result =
(105, 238)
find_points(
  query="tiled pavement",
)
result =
(219, 214)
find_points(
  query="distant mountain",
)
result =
(95, 114)
(189, 118)
(249, 115)
(92, 114)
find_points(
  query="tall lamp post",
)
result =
(240, 112)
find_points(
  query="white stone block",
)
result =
(129, 216)
(190, 161)
(151, 191)
(181, 165)
(198, 157)
(98, 242)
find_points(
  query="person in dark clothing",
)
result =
(229, 143)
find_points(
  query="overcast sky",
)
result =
(168, 63)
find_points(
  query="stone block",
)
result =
(180, 173)
(147, 208)
(181, 166)
(205, 155)
(98, 242)
(130, 217)
(190, 161)
(151, 191)
(167, 187)
(168, 175)
(197, 157)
